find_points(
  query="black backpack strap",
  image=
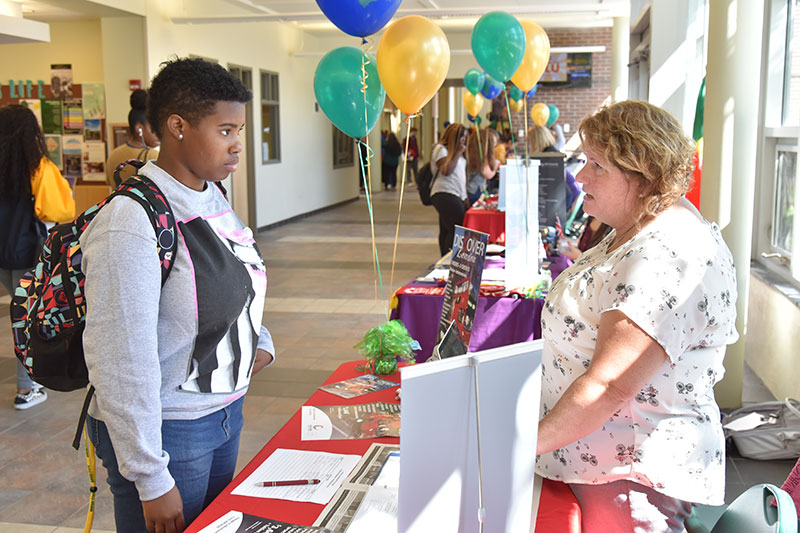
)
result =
(222, 189)
(135, 163)
(76, 442)
(146, 192)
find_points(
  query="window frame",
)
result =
(272, 101)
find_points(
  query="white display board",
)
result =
(439, 482)
(522, 223)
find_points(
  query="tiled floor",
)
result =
(324, 293)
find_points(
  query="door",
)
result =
(241, 184)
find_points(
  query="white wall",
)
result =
(122, 63)
(677, 56)
(304, 180)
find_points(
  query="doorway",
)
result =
(241, 184)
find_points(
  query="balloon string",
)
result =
(376, 264)
(408, 121)
(527, 182)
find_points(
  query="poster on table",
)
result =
(238, 522)
(36, 107)
(552, 189)
(54, 153)
(72, 116)
(361, 421)
(463, 285)
(94, 161)
(61, 81)
(52, 118)
(94, 100)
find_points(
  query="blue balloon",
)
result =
(530, 93)
(359, 17)
(470, 118)
(491, 87)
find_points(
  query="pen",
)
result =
(287, 483)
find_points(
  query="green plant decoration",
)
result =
(383, 345)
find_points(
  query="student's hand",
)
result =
(165, 513)
(263, 358)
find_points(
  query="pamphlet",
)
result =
(374, 483)
(463, 283)
(362, 421)
(358, 386)
(238, 522)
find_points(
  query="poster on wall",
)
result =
(51, 116)
(72, 146)
(94, 101)
(61, 81)
(573, 71)
(54, 153)
(72, 116)
(92, 130)
(36, 107)
(94, 161)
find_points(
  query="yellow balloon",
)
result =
(517, 105)
(537, 54)
(540, 113)
(473, 103)
(413, 58)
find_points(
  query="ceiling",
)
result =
(451, 14)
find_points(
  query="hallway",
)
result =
(321, 298)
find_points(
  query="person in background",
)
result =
(593, 232)
(541, 140)
(449, 188)
(635, 333)
(171, 364)
(412, 156)
(558, 134)
(33, 196)
(482, 164)
(391, 158)
(142, 142)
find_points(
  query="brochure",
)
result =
(463, 283)
(238, 522)
(374, 480)
(358, 386)
(362, 421)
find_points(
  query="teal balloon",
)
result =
(337, 86)
(473, 80)
(515, 93)
(498, 44)
(553, 115)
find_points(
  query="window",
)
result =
(777, 230)
(343, 152)
(270, 118)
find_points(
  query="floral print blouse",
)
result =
(678, 284)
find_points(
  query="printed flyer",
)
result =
(463, 286)
(362, 421)
(358, 386)
(238, 522)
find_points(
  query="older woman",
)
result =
(635, 333)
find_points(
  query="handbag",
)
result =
(773, 431)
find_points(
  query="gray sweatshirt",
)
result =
(178, 352)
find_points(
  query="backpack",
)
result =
(23, 236)
(424, 179)
(48, 307)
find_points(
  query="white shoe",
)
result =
(33, 397)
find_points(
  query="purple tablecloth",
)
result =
(498, 321)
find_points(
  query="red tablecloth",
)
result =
(488, 221)
(558, 509)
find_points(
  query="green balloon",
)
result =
(515, 93)
(498, 44)
(473, 80)
(553, 115)
(337, 86)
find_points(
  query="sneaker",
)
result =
(33, 397)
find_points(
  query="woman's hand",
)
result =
(165, 513)
(263, 358)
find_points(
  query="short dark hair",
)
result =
(191, 88)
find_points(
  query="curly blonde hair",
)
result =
(540, 138)
(646, 143)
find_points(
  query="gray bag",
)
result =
(777, 435)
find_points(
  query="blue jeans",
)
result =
(202, 460)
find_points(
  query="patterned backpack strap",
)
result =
(135, 163)
(147, 193)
